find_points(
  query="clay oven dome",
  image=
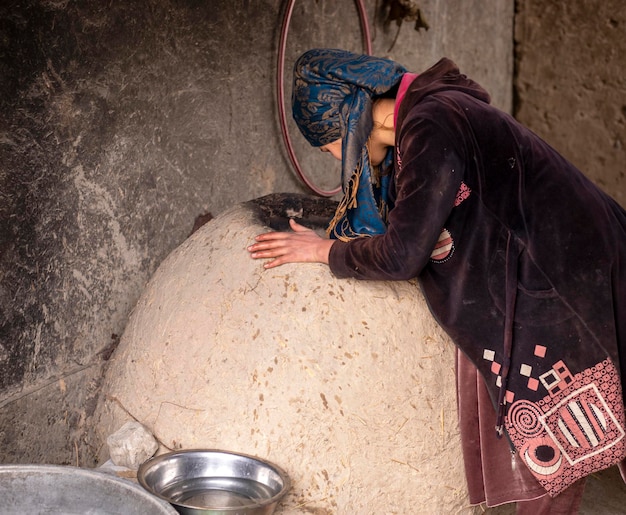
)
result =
(348, 386)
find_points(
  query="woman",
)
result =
(522, 260)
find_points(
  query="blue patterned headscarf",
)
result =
(333, 93)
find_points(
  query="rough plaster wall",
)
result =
(571, 83)
(120, 122)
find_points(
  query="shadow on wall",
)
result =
(110, 146)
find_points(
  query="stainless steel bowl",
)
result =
(213, 482)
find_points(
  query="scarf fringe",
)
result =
(348, 201)
(339, 226)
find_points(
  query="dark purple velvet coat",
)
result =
(522, 261)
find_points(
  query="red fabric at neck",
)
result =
(407, 78)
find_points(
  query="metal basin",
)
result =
(64, 490)
(213, 482)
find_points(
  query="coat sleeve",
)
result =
(428, 174)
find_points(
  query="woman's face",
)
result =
(334, 148)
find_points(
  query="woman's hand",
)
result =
(303, 245)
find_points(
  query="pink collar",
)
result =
(407, 78)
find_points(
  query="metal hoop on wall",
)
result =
(280, 91)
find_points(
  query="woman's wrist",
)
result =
(324, 250)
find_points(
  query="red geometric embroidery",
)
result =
(557, 379)
(583, 425)
(462, 194)
(575, 430)
(533, 384)
(444, 247)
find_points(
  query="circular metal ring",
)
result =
(280, 92)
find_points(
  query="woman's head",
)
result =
(332, 97)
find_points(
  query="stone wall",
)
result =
(571, 84)
(120, 123)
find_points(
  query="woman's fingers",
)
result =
(300, 246)
(297, 227)
(270, 242)
(267, 249)
(269, 236)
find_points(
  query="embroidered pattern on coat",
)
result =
(444, 248)
(462, 194)
(445, 244)
(573, 431)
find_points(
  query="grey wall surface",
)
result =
(571, 85)
(120, 123)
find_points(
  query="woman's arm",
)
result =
(303, 245)
(427, 183)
